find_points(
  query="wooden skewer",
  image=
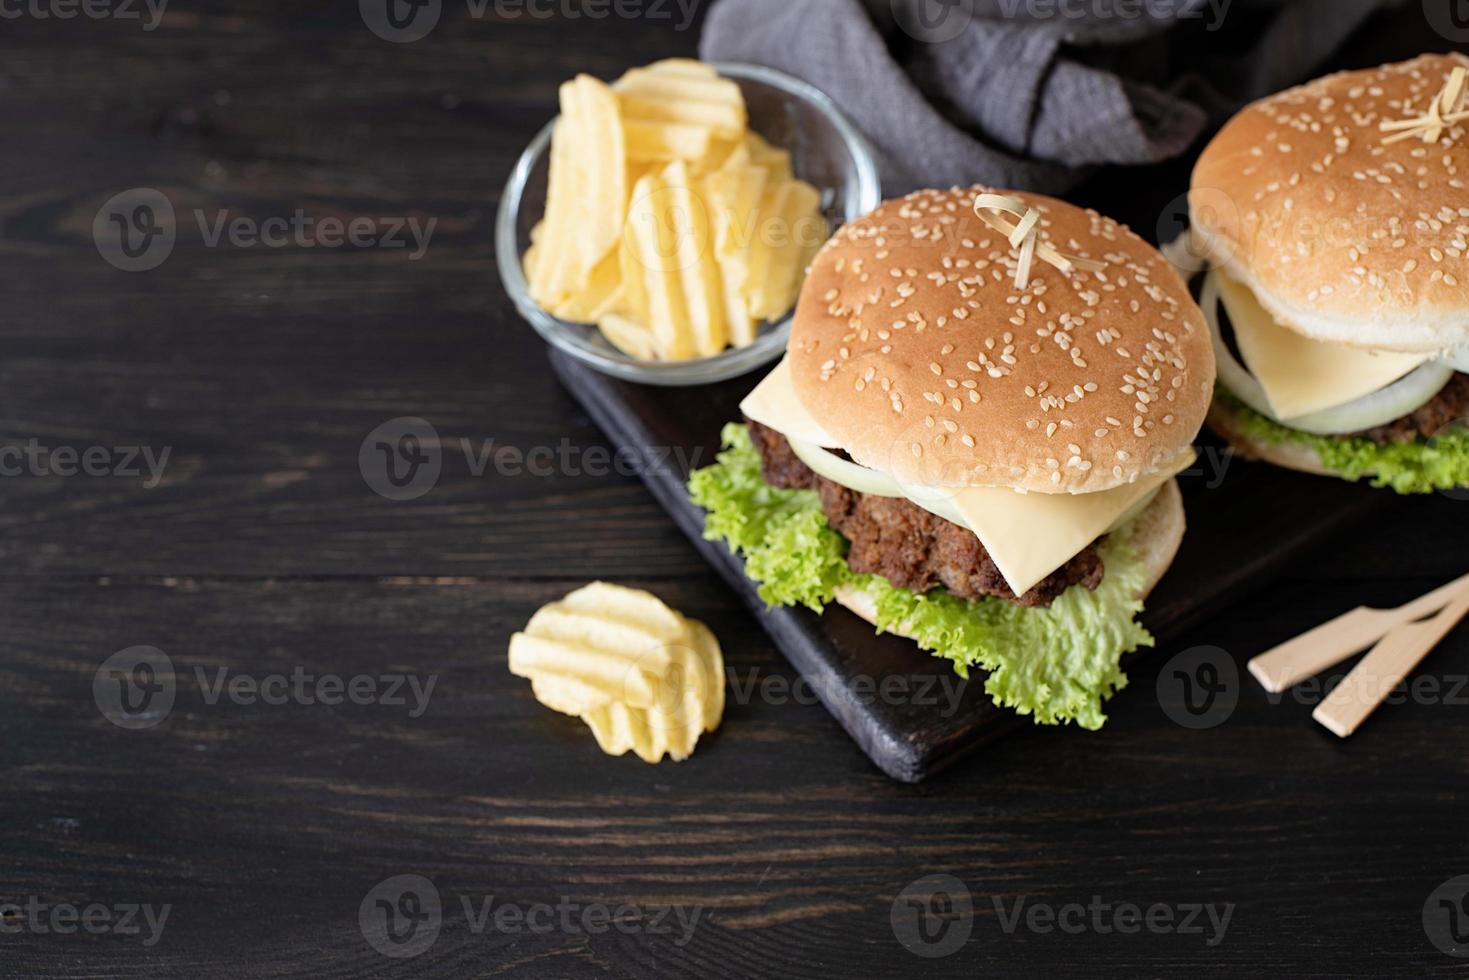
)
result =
(1384, 668)
(1332, 642)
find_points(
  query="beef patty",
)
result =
(907, 545)
(1448, 406)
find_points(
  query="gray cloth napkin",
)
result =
(1032, 93)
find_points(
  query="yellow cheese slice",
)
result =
(774, 404)
(1301, 375)
(1030, 535)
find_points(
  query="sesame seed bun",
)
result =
(1345, 238)
(1156, 538)
(913, 346)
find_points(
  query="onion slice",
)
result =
(1458, 359)
(938, 501)
(1403, 397)
(848, 474)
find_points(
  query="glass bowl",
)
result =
(826, 151)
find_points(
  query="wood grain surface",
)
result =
(1249, 524)
(267, 829)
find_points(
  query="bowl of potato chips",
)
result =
(660, 228)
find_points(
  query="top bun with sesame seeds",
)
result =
(915, 347)
(1344, 205)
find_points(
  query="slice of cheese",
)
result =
(774, 404)
(1030, 535)
(1301, 375)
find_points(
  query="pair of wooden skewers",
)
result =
(1402, 638)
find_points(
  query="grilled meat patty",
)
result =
(1448, 406)
(907, 545)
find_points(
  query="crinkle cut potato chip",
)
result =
(642, 676)
(668, 223)
(586, 201)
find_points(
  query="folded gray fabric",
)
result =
(1032, 93)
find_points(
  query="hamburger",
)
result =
(1334, 218)
(973, 438)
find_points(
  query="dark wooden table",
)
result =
(265, 829)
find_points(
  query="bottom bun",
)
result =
(1226, 421)
(1156, 536)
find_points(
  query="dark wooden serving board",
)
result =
(1244, 531)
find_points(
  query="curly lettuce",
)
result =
(1421, 466)
(1056, 664)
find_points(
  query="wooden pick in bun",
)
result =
(914, 348)
(1342, 208)
(1345, 231)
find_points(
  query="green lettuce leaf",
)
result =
(1056, 664)
(1422, 466)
